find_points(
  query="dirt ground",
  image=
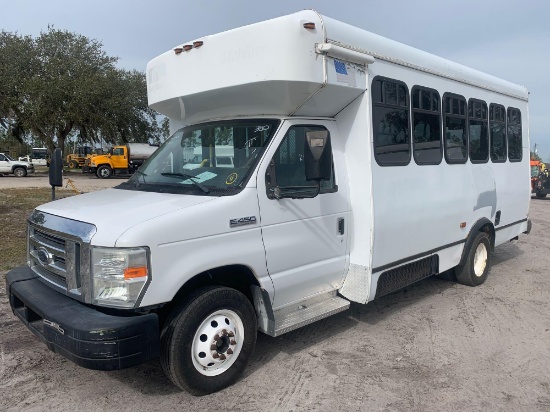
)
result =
(435, 346)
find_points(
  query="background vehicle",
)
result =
(120, 160)
(17, 167)
(360, 166)
(222, 157)
(39, 156)
(78, 157)
(540, 181)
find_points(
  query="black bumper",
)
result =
(80, 333)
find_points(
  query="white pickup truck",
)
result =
(19, 168)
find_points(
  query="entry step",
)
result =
(308, 311)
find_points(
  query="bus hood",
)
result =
(114, 211)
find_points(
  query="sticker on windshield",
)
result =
(231, 179)
(201, 177)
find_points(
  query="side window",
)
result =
(390, 122)
(289, 160)
(426, 118)
(118, 151)
(497, 126)
(456, 134)
(2, 158)
(478, 131)
(514, 135)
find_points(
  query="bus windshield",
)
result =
(211, 158)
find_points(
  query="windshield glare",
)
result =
(218, 155)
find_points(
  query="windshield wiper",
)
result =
(196, 184)
(139, 172)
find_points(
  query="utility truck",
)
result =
(124, 159)
(360, 165)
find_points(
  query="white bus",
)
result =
(359, 166)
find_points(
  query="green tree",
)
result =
(69, 86)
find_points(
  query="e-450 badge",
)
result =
(249, 220)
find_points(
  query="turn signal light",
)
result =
(139, 272)
(309, 25)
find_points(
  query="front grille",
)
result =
(48, 256)
(59, 252)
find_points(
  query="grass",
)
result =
(15, 207)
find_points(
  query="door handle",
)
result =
(341, 226)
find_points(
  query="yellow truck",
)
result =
(124, 159)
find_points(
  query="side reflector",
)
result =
(178, 50)
(310, 26)
(197, 44)
(131, 273)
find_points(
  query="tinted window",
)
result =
(456, 135)
(514, 135)
(289, 160)
(390, 122)
(426, 117)
(478, 131)
(497, 126)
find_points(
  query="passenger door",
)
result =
(305, 239)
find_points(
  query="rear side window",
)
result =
(426, 120)
(390, 119)
(514, 135)
(456, 134)
(478, 131)
(497, 126)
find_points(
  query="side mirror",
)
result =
(56, 169)
(318, 155)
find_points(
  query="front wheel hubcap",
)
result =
(480, 260)
(217, 342)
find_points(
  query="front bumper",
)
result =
(87, 337)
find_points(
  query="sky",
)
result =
(509, 39)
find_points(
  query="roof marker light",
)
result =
(309, 25)
(198, 44)
(187, 47)
(178, 50)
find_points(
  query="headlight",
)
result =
(119, 275)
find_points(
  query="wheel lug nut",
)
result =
(213, 347)
(229, 351)
(222, 357)
(217, 338)
(233, 342)
(215, 355)
(230, 334)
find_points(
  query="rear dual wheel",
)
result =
(476, 268)
(207, 341)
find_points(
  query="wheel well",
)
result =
(238, 277)
(482, 225)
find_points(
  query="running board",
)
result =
(308, 311)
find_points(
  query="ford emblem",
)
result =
(44, 257)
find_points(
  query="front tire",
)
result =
(20, 172)
(478, 262)
(73, 164)
(540, 195)
(104, 172)
(207, 341)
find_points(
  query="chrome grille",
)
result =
(58, 252)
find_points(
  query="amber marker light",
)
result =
(131, 273)
(309, 25)
(197, 44)
(187, 47)
(178, 50)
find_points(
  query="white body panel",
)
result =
(393, 215)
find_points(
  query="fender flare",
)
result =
(482, 225)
